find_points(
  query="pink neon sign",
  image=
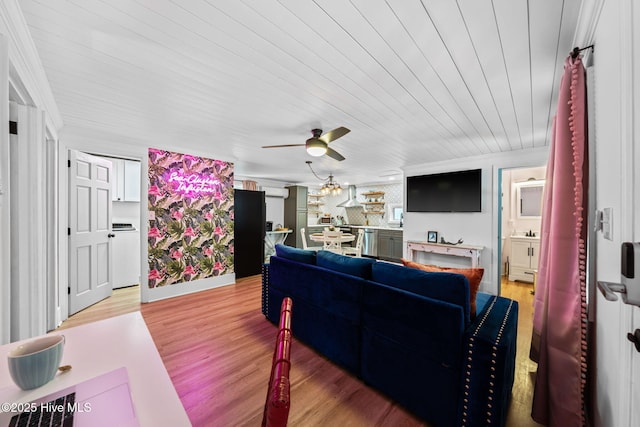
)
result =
(194, 184)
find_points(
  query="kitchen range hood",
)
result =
(352, 201)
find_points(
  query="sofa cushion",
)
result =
(360, 267)
(473, 275)
(295, 254)
(449, 287)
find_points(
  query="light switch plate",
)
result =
(607, 223)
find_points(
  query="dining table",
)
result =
(344, 237)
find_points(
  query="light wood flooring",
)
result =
(123, 301)
(217, 348)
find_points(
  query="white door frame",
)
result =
(93, 144)
(630, 191)
(23, 80)
(29, 281)
(5, 228)
(635, 194)
(534, 159)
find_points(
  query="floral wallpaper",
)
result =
(190, 218)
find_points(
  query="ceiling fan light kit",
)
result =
(315, 147)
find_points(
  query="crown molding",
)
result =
(587, 23)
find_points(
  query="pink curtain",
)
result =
(560, 318)
(249, 185)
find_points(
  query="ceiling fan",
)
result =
(318, 144)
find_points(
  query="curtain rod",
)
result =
(576, 51)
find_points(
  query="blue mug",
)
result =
(36, 362)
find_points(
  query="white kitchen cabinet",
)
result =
(117, 169)
(131, 181)
(126, 180)
(524, 258)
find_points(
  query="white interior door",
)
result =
(90, 249)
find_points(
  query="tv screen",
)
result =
(445, 192)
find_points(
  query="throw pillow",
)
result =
(473, 275)
(354, 266)
(296, 254)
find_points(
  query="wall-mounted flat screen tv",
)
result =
(445, 192)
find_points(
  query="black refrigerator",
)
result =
(250, 212)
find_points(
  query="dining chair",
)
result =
(278, 401)
(303, 233)
(332, 241)
(357, 249)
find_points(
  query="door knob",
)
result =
(110, 235)
(635, 338)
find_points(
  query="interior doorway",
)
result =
(123, 228)
(90, 236)
(519, 217)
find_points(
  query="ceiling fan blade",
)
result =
(334, 154)
(285, 145)
(332, 135)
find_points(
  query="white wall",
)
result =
(478, 229)
(275, 210)
(127, 212)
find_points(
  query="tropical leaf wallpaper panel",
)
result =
(190, 218)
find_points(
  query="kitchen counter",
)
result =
(377, 227)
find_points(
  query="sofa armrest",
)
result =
(489, 364)
(265, 289)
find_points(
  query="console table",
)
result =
(467, 251)
(271, 239)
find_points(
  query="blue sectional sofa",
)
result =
(406, 332)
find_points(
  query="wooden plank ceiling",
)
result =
(416, 81)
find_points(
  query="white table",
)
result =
(334, 242)
(103, 346)
(467, 251)
(271, 239)
(344, 237)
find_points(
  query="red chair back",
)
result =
(276, 408)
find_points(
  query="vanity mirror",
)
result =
(529, 199)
